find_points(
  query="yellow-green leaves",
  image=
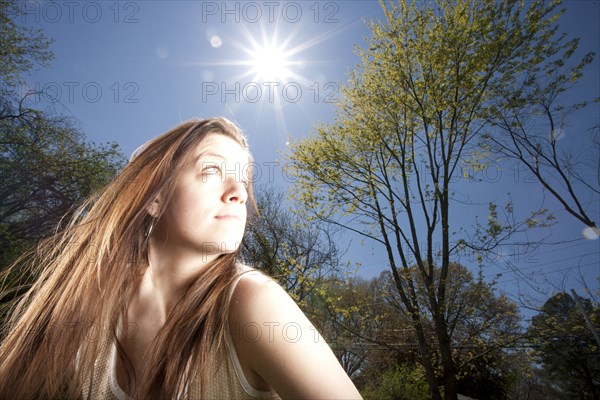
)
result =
(420, 110)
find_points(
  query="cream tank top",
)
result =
(225, 378)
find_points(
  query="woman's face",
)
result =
(207, 213)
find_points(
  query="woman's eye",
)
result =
(211, 169)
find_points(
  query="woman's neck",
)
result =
(170, 271)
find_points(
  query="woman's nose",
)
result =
(236, 191)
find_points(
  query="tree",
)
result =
(47, 167)
(277, 242)
(409, 119)
(21, 49)
(481, 321)
(399, 383)
(531, 122)
(527, 381)
(566, 348)
(360, 325)
(369, 328)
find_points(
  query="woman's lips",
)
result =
(227, 216)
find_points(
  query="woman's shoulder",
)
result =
(254, 288)
(244, 270)
(276, 341)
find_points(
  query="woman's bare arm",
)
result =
(274, 340)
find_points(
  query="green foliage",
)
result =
(370, 329)
(278, 242)
(399, 383)
(433, 74)
(21, 49)
(565, 347)
(354, 317)
(47, 167)
(481, 322)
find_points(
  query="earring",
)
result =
(150, 229)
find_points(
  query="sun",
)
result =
(270, 63)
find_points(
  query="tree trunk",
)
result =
(449, 369)
(434, 388)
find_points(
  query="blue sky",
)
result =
(131, 70)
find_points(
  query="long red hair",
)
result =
(87, 274)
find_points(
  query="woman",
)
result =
(142, 296)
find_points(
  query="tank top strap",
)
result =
(243, 270)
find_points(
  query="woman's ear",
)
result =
(154, 208)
